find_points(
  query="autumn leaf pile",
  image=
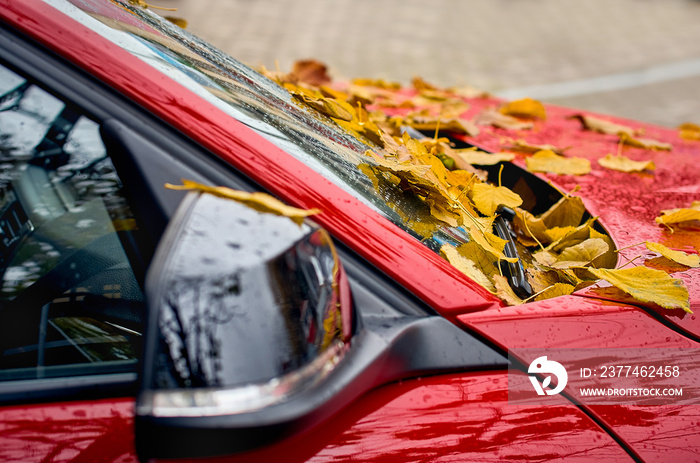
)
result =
(560, 250)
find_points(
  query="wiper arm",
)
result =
(514, 271)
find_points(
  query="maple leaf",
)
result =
(648, 285)
(625, 164)
(689, 260)
(261, 202)
(526, 108)
(603, 126)
(487, 198)
(645, 143)
(491, 116)
(466, 266)
(679, 216)
(689, 131)
(548, 161)
(311, 72)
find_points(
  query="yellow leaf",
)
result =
(556, 290)
(261, 202)
(490, 243)
(557, 233)
(689, 260)
(574, 237)
(526, 108)
(483, 260)
(490, 116)
(648, 285)
(645, 143)
(522, 146)
(625, 164)
(456, 125)
(581, 254)
(689, 131)
(504, 291)
(603, 126)
(466, 266)
(565, 213)
(674, 216)
(480, 158)
(487, 198)
(609, 258)
(179, 22)
(548, 161)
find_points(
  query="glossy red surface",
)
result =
(455, 418)
(438, 283)
(77, 432)
(627, 203)
(657, 433)
(448, 418)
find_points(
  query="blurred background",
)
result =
(638, 59)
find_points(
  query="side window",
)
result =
(70, 304)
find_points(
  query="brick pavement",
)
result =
(494, 45)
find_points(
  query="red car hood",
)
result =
(627, 203)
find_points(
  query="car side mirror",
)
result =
(247, 310)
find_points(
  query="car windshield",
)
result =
(262, 105)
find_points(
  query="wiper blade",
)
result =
(514, 271)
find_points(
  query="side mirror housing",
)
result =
(246, 311)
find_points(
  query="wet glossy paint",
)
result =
(656, 433)
(77, 432)
(449, 418)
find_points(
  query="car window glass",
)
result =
(262, 105)
(69, 301)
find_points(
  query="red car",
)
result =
(139, 322)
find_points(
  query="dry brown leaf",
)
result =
(603, 126)
(261, 202)
(648, 285)
(526, 108)
(645, 143)
(625, 164)
(689, 260)
(491, 116)
(548, 161)
(311, 72)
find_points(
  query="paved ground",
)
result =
(634, 58)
